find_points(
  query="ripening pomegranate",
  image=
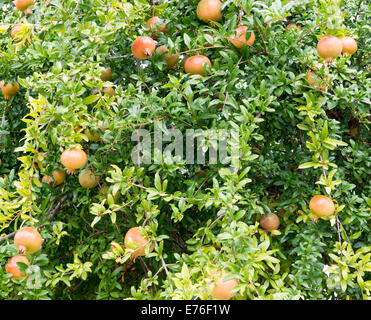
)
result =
(209, 10)
(222, 289)
(15, 30)
(88, 179)
(349, 46)
(9, 90)
(13, 268)
(73, 159)
(293, 26)
(27, 240)
(92, 136)
(109, 91)
(195, 64)
(329, 48)
(135, 241)
(47, 179)
(59, 176)
(170, 60)
(270, 222)
(155, 25)
(106, 75)
(240, 40)
(143, 47)
(23, 5)
(314, 80)
(321, 206)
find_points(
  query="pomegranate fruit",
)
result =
(195, 64)
(314, 80)
(270, 222)
(59, 177)
(13, 268)
(171, 60)
(23, 5)
(109, 91)
(329, 48)
(293, 26)
(27, 240)
(47, 179)
(106, 75)
(155, 25)
(321, 206)
(222, 289)
(143, 47)
(9, 90)
(15, 30)
(88, 179)
(135, 241)
(73, 159)
(92, 136)
(349, 46)
(209, 10)
(240, 40)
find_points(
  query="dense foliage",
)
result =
(295, 142)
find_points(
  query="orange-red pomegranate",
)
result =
(13, 268)
(195, 64)
(155, 25)
(222, 288)
(9, 90)
(321, 206)
(143, 47)
(314, 80)
(240, 40)
(73, 159)
(135, 241)
(27, 240)
(270, 222)
(170, 60)
(209, 10)
(88, 179)
(349, 46)
(329, 48)
(23, 5)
